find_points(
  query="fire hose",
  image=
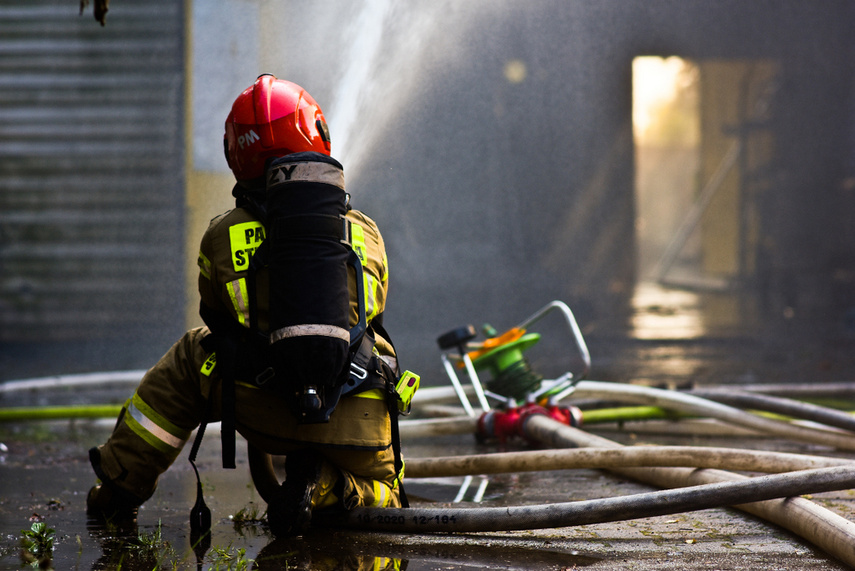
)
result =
(425, 520)
(693, 488)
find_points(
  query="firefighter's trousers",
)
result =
(175, 396)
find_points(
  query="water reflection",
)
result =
(322, 555)
(663, 313)
(133, 548)
(330, 549)
(479, 491)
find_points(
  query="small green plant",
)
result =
(248, 519)
(37, 545)
(141, 551)
(153, 545)
(247, 515)
(229, 559)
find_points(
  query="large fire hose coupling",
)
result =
(569, 415)
(533, 409)
(503, 425)
(497, 424)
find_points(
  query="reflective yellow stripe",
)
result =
(204, 265)
(371, 285)
(371, 309)
(382, 497)
(154, 428)
(237, 292)
(357, 238)
(244, 239)
(372, 394)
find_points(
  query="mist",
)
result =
(493, 143)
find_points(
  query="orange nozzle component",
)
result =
(488, 345)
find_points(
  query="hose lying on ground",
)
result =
(825, 529)
(625, 457)
(624, 413)
(700, 427)
(702, 407)
(692, 405)
(804, 390)
(27, 413)
(423, 428)
(779, 405)
(419, 520)
(107, 378)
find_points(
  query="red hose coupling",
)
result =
(569, 415)
(503, 425)
(498, 424)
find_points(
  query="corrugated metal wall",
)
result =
(91, 184)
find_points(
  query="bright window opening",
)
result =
(666, 129)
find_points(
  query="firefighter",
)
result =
(341, 464)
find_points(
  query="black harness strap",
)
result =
(392, 404)
(200, 433)
(227, 428)
(224, 343)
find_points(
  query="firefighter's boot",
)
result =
(305, 488)
(107, 503)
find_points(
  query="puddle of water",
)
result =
(44, 476)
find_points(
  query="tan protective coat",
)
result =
(183, 387)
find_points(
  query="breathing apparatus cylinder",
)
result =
(307, 255)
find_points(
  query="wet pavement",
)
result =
(44, 476)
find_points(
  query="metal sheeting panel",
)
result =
(91, 172)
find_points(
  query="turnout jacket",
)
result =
(360, 421)
(233, 237)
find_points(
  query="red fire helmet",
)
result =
(272, 118)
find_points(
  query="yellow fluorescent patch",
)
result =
(357, 237)
(209, 364)
(244, 239)
(204, 265)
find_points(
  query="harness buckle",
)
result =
(358, 372)
(346, 232)
(265, 376)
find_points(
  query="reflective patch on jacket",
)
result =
(240, 300)
(244, 240)
(370, 283)
(208, 365)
